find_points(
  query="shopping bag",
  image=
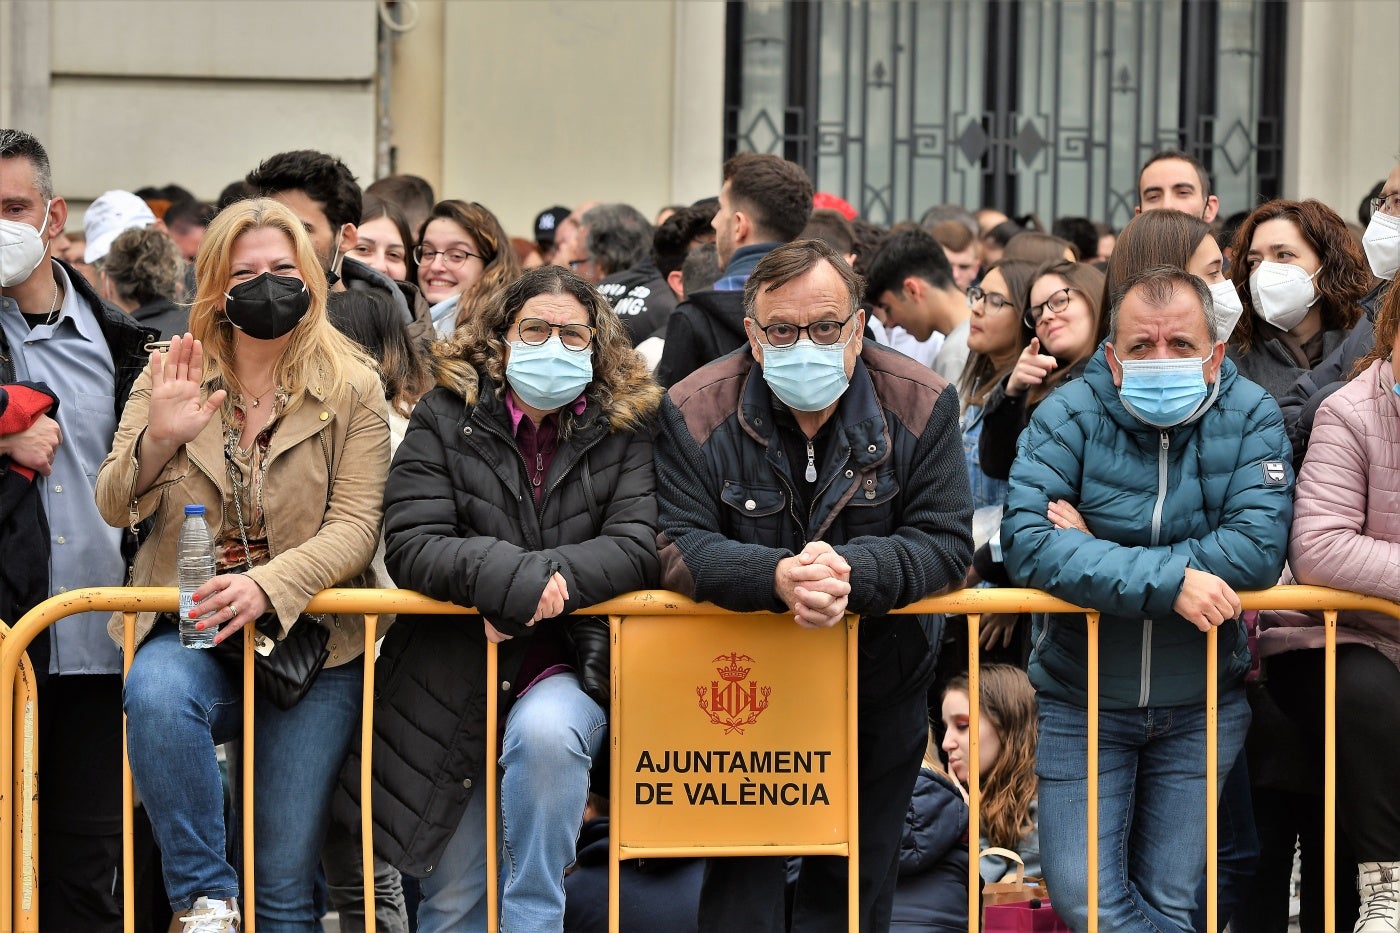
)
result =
(1005, 892)
(1032, 916)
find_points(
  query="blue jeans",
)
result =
(1152, 766)
(180, 704)
(552, 735)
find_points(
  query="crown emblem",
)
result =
(730, 702)
(734, 671)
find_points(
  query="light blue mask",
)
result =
(806, 376)
(1163, 393)
(549, 375)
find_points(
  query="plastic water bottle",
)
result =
(195, 561)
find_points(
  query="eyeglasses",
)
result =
(1388, 204)
(782, 335)
(451, 258)
(995, 303)
(1056, 302)
(534, 332)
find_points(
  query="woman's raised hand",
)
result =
(1032, 368)
(178, 413)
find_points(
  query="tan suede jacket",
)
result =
(322, 503)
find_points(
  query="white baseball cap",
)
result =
(108, 216)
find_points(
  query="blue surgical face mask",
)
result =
(1163, 393)
(806, 376)
(549, 375)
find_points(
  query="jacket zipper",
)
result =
(812, 509)
(525, 466)
(1163, 447)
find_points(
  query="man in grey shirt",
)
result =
(55, 333)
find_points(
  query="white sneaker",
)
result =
(1379, 886)
(211, 915)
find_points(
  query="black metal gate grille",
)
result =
(1045, 106)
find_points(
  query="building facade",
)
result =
(1044, 106)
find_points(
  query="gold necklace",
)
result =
(257, 399)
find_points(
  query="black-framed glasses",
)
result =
(534, 331)
(782, 335)
(1387, 204)
(995, 303)
(451, 258)
(1057, 302)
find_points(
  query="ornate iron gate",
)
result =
(1045, 106)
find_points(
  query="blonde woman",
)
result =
(277, 425)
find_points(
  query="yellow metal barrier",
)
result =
(18, 905)
(775, 716)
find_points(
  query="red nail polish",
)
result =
(196, 597)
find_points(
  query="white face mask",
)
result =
(1382, 244)
(21, 249)
(1228, 309)
(1282, 293)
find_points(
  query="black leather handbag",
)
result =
(283, 671)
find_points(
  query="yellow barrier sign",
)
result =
(737, 733)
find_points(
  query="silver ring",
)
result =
(233, 611)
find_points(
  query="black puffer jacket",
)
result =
(931, 893)
(461, 525)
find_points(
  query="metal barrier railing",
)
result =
(19, 912)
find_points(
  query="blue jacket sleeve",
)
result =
(1112, 578)
(1249, 545)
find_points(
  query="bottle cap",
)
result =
(194, 510)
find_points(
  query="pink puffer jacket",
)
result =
(1346, 517)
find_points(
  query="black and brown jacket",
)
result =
(892, 495)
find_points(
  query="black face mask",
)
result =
(267, 307)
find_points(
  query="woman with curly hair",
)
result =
(1300, 277)
(463, 256)
(1007, 736)
(524, 488)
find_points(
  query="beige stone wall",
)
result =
(517, 103)
(147, 92)
(1342, 132)
(560, 101)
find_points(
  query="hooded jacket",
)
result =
(705, 326)
(642, 298)
(931, 893)
(1214, 494)
(461, 525)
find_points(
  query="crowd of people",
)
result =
(761, 400)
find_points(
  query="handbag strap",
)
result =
(1009, 855)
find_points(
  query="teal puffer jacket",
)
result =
(1214, 494)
